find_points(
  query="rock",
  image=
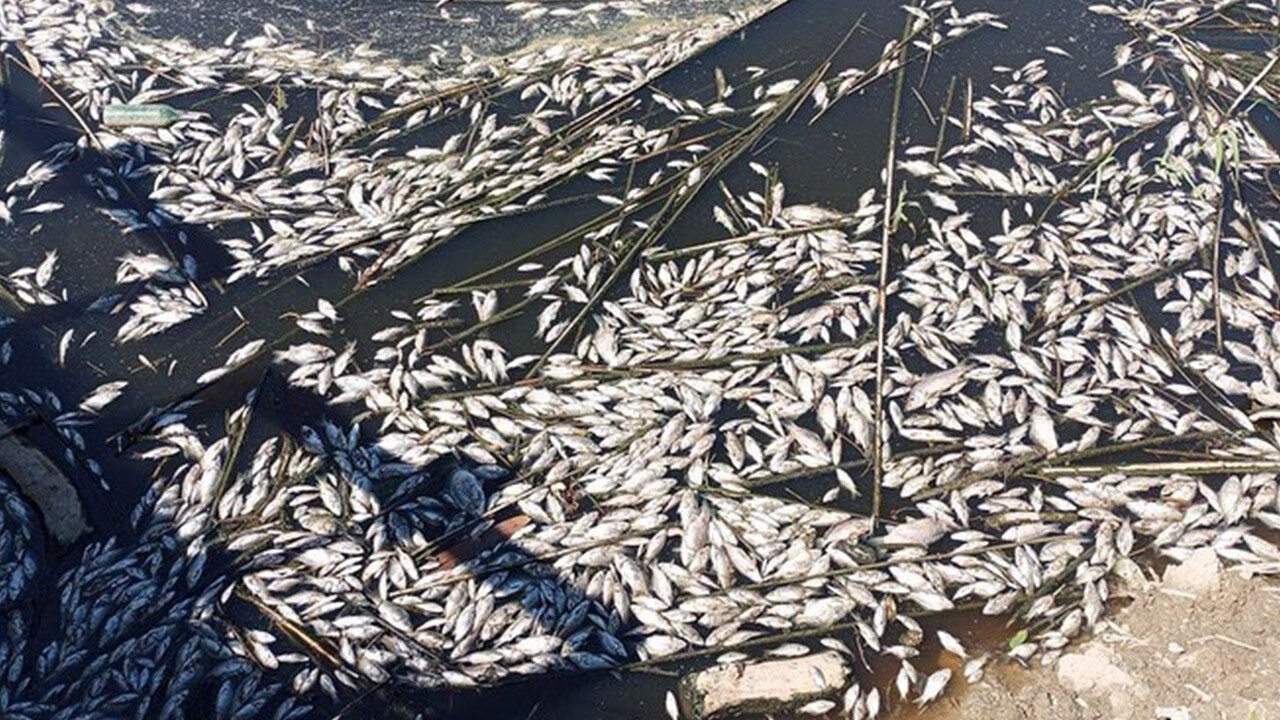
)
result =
(1095, 672)
(762, 687)
(1200, 573)
(1173, 713)
(45, 486)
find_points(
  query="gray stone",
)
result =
(1200, 573)
(1093, 670)
(761, 687)
(1096, 672)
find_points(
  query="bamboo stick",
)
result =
(882, 290)
(1186, 467)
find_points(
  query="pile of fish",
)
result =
(815, 429)
(138, 630)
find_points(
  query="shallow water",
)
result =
(411, 29)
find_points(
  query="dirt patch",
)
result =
(1201, 644)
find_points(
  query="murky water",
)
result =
(830, 162)
(412, 29)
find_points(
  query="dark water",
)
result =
(404, 29)
(830, 162)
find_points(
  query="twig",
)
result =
(238, 432)
(587, 372)
(75, 114)
(1187, 467)
(942, 124)
(1250, 88)
(764, 233)
(1137, 282)
(682, 198)
(1039, 462)
(882, 294)
(1217, 269)
(1228, 640)
(299, 634)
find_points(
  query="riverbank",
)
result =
(1201, 643)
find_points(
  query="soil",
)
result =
(1199, 644)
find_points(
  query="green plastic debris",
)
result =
(1018, 638)
(143, 115)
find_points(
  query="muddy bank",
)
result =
(1198, 643)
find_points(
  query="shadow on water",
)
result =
(88, 244)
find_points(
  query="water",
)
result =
(411, 29)
(829, 162)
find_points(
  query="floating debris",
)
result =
(152, 115)
(45, 484)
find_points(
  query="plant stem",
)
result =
(882, 290)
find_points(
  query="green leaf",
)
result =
(1233, 141)
(1017, 639)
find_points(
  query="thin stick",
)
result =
(764, 233)
(617, 215)
(1250, 88)
(1137, 282)
(75, 114)
(946, 116)
(679, 201)
(315, 646)
(236, 437)
(1039, 462)
(882, 295)
(968, 107)
(1217, 265)
(278, 162)
(1188, 467)
(920, 99)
